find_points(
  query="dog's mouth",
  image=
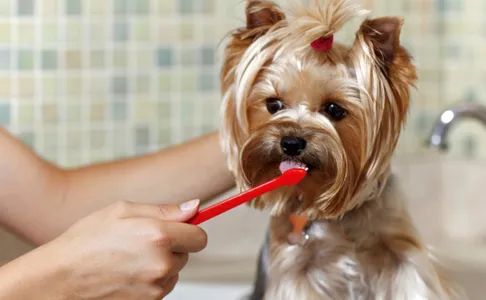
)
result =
(290, 164)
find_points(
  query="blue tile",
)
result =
(207, 56)
(164, 57)
(4, 59)
(25, 7)
(120, 7)
(206, 82)
(118, 111)
(120, 31)
(49, 60)
(142, 136)
(74, 7)
(4, 114)
(120, 85)
(186, 6)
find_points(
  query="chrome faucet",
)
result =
(438, 137)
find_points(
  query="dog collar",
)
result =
(299, 235)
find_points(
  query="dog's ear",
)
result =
(261, 15)
(384, 36)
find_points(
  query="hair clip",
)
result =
(323, 43)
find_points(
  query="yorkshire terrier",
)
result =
(293, 97)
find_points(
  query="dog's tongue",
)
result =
(287, 165)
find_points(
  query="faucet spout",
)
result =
(438, 138)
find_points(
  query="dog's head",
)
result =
(292, 95)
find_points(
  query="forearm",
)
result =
(31, 277)
(40, 201)
(194, 170)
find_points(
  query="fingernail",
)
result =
(189, 205)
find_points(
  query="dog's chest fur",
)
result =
(371, 253)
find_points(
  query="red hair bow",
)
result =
(323, 43)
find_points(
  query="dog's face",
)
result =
(337, 112)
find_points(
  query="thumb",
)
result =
(167, 212)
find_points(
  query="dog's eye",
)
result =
(274, 105)
(336, 112)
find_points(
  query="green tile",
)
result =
(97, 139)
(74, 7)
(49, 59)
(5, 34)
(186, 6)
(188, 57)
(165, 7)
(120, 85)
(120, 7)
(50, 86)
(140, 7)
(187, 30)
(142, 136)
(51, 155)
(164, 110)
(164, 57)
(119, 141)
(141, 31)
(74, 59)
(188, 111)
(188, 82)
(50, 32)
(5, 7)
(4, 114)
(97, 112)
(142, 84)
(120, 31)
(49, 113)
(26, 113)
(26, 60)
(164, 136)
(74, 138)
(208, 6)
(164, 83)
(208, 56)
(118, 111)
(28, 138)
(207, 82)
(97, 59)
(25, 7)
(74, 114)
(4, 59)
(120, 59)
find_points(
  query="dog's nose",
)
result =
(292, 145)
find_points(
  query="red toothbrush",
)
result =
(290, 177)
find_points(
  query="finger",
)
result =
(183, 238)
(175, 236)
(180, 260)
(170, 285)
(168, 212)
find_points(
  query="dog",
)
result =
(293, 97)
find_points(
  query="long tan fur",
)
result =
(364, 245)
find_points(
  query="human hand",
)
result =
(128, 251)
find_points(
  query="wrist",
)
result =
(39, 274)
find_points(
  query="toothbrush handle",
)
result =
(221, 207)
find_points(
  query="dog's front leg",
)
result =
(401, 268)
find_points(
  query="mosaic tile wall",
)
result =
(90, 80)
